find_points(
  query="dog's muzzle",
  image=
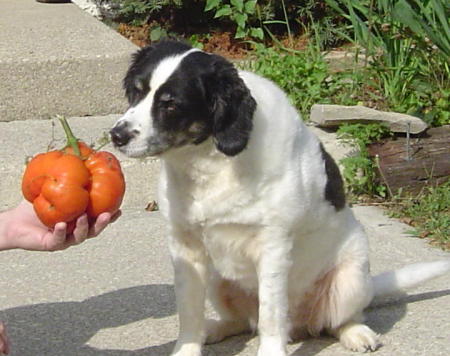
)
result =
(127, 141)
(121, 135)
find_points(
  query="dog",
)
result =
(255, 206)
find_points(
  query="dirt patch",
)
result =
(221, 43)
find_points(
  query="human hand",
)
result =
(4, 342)
(24, 230)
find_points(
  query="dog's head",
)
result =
(182, 96)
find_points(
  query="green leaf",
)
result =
(240, 33)
(241, 19)
(211, 4)
(443, 17)
(250, 7)
(257, 32)
(157, 33)
(223, 11)
(238, 4)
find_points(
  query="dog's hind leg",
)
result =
(237, 310)
(336, 302)
(350, 291)
(356, 336)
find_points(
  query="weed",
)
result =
(359, 171)
(428, 213)
(136, 12)
(238, 11)
(305, 76)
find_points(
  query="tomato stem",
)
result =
(72, 141)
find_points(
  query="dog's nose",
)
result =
(120, 134)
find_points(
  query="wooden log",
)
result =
(425, 161)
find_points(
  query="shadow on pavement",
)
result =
(55, 329)
(383, 315)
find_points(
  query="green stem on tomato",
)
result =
(72, 141)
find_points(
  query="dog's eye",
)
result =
(141, 85)
(170, 108)
(168, 102)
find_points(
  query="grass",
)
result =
(428, 213)
(306, 77)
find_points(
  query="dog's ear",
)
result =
(136, 81)
(143, 62)
(232, 107)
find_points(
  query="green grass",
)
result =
(305, 76)
(428, 213)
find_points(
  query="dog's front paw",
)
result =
(359, 337)
(217, 330)
(187, 349)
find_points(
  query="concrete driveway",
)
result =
(113, 295)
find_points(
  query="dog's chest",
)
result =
(221, 209)
(231, 245)
(234, 250)
(209, 195)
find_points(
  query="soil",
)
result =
(218, 42)
(222, 43)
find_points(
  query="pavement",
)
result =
(57, 57)
(113, 295)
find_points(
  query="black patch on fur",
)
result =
(334, 189)
(203, 97)
(143, 63)
(180, 105)
(232, 107)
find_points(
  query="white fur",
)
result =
(255, 232)
(392, 282)
(260, 220)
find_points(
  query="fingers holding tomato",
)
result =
(64, 184)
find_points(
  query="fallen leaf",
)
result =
(152, 206)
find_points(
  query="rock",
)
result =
(100, 9)
(335, 115)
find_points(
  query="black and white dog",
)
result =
(255, 206)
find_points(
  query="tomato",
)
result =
(64, 184)
(107, 185)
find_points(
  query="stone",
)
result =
(336, 115)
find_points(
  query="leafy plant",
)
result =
(406, 43)
(428, 20)
(304, 75)
(195, 41)
(137, 12)
(238, 11)
(157, 33)
(360, 170)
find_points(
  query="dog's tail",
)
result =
(393, 282)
